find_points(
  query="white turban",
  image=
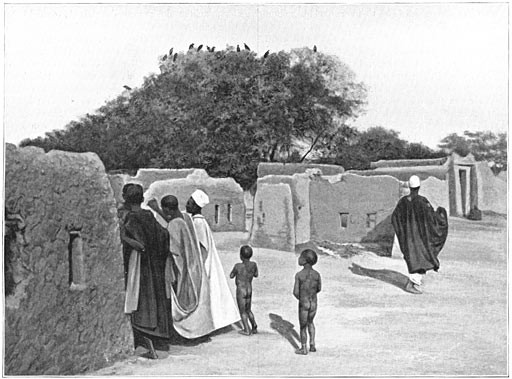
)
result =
(200, 198)
(414, 182)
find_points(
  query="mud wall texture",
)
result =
(66, 314)
(147, 176)
(226, 211)
(492, 190)
(354, 209)
(436, 191)
(299, 187)
(265, 169)
(273, 225)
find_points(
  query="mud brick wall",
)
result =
(353, 209)
(226, 210)
(52, 326)
(273, 224)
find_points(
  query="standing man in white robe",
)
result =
(224, 311)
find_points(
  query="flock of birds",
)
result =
(172, 57)
(211, 50)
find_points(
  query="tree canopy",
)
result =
(484, 145)
(224, 111)
(355, 149)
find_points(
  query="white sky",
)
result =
(431, 69)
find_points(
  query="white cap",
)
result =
(200, 198)
(414, 182)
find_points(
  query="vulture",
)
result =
(127, 88)
(247, 47)
(170, 51)
(266, 54)
(191, 46)
(238, 48)
(199, 47)
(314, 49)
(175, 56)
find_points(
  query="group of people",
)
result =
(176, 290)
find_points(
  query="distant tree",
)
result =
(484, 145)
(455, 143)
(359, 149)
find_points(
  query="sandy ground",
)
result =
(366, 324)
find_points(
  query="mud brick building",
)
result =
(64, 312)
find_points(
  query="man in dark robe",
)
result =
(421, 234)
(152, 318)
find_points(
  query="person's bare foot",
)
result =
(302, 351)
(151, 354)
(412, 288)
(312, 348)
(244, 332)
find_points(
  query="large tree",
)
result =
(224, 111)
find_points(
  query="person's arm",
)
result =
(134, 244)
(233, 272)
(319, 288)
(130, 235)
(256, 273)
(296, 287)
(153, 204)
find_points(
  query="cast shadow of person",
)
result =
(388, 276)
(285, 328)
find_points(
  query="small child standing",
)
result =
(307, 284)
(244, 273)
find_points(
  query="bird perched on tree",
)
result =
(314, 49)
(199, 47)
(170, 51)
(191, 46)
(237, 48)
(164, 57)
(213, 49)
(175, 56)
(247, 47)
(266, 54)
(127, 88)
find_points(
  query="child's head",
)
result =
(308, 256)
(245, 252)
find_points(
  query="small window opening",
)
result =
(229, 213)
(76, 259)
(216, 213)
(344, 220)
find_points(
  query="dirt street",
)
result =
(366, 324)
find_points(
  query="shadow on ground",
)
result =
(388, 276)
(285, 328)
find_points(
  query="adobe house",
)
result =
(294, 209)
(434, 175)
(63, 261)
(226, 211)
(455, 183)
(492, 189)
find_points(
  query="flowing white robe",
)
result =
(191, 301)
(214, 306)
(224, 311)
